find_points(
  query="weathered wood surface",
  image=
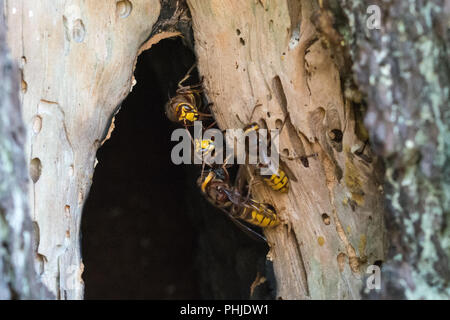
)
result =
(404, 70)
(76, 63)
(269, 52)
(76, 60)
(18, 278)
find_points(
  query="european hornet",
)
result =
(278, 181)
(185, 105)
(217, 190)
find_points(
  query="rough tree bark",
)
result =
(18, 278)
(404, 70)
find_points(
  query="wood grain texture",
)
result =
(18, 278)
(269, 52)
(76, 60)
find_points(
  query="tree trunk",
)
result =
(18, 278)
(77, 63)
(269, 53)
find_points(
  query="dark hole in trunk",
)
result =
(147, 232)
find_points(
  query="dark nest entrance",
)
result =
(146, 230)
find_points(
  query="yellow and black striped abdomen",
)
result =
(278, 182)
(262, 217)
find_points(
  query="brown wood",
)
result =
(269, 53)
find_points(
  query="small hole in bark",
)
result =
(278, 123)
(238, 32)
(286, 152)
(335, 135)
(268, 114)
(242, 41)
(378, 263)
(67, 209)
(123, 8)
(304, 161)
(326, 218)
(35, 169)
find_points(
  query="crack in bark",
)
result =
(303, 272)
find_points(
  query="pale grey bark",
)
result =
(18, 279)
